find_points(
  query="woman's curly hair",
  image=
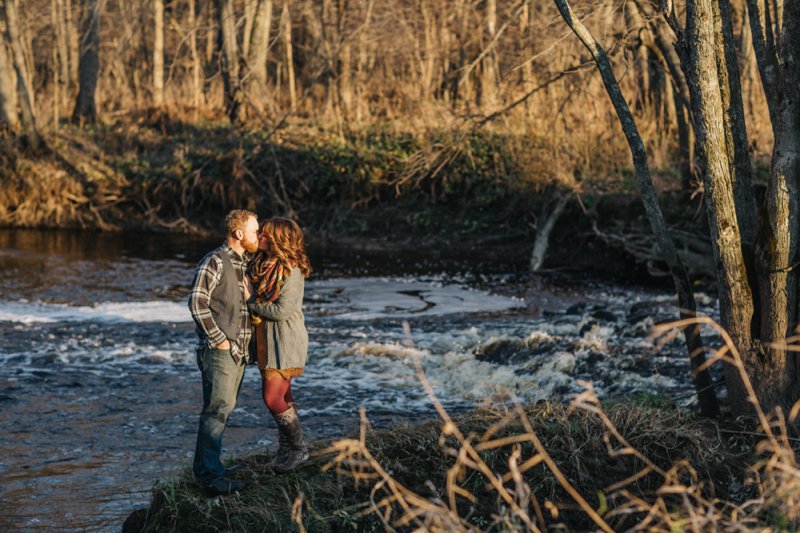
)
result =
(285, 243)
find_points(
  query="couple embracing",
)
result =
(246, 301)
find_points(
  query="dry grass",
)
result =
(682, 500)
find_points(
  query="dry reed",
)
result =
(681, 501)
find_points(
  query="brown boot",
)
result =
(297, 450)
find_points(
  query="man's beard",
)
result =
(250, 246)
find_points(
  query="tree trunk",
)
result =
(699, 56)
(158, 53)
(489, 63)
(8, 87)
(766, 55)
(686, 303)
(777, 371)
(735, 128)
(287, 44)
(73, 45)
(89, 67)
(230, 62)
(636, 26)
(23, 83)
(197, 89)
(526, 35)
(259, 43)
(250, 7)
(211, 37)
(429, 55)
(682, 119)
(542, 240)
(62, 46)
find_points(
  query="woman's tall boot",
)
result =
(296, 449)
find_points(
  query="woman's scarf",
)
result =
(268, 275)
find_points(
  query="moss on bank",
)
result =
(418, 459)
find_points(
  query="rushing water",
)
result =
(100, 393)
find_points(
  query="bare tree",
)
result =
(680, 278)
(197, 89)
(286, 20)
(73, 44)
(234, 98)
(158, 53)
(755, 259)
(24, 87)
(89, 65)
(8, 86)
(259, 42)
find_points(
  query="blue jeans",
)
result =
(222, 379)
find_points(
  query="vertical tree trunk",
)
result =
(250, 7)
(73, 43)
(362, 63)
(463, 90)
(636, 26)
(62, 45)
(778, 373)
(429, 55)
(23, 83)
(211, 36)
(197, 89)
(682, 119)
(287, 44)
(699, 56)
(259, 42)
(56, 96)
(526, 36)
(158, 53)
(489, 66)
(8, 86)
(234, 98)
(766, 55)
(89, 66)
(735, 128)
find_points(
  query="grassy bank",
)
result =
(448, 190)
(586, 467)
(160, 173)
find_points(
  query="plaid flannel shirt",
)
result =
(207, 277)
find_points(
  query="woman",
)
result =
(277, 272)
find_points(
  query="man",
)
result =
(218, 302)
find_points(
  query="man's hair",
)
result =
(237, 219)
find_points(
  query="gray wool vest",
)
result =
(226, 299)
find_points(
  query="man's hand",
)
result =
(225, 345)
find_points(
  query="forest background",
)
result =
(479, 119)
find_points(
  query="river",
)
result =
(99, 392)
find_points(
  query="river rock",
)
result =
(506, 351)
(603, 315)
(576, 309)
(658, 312)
